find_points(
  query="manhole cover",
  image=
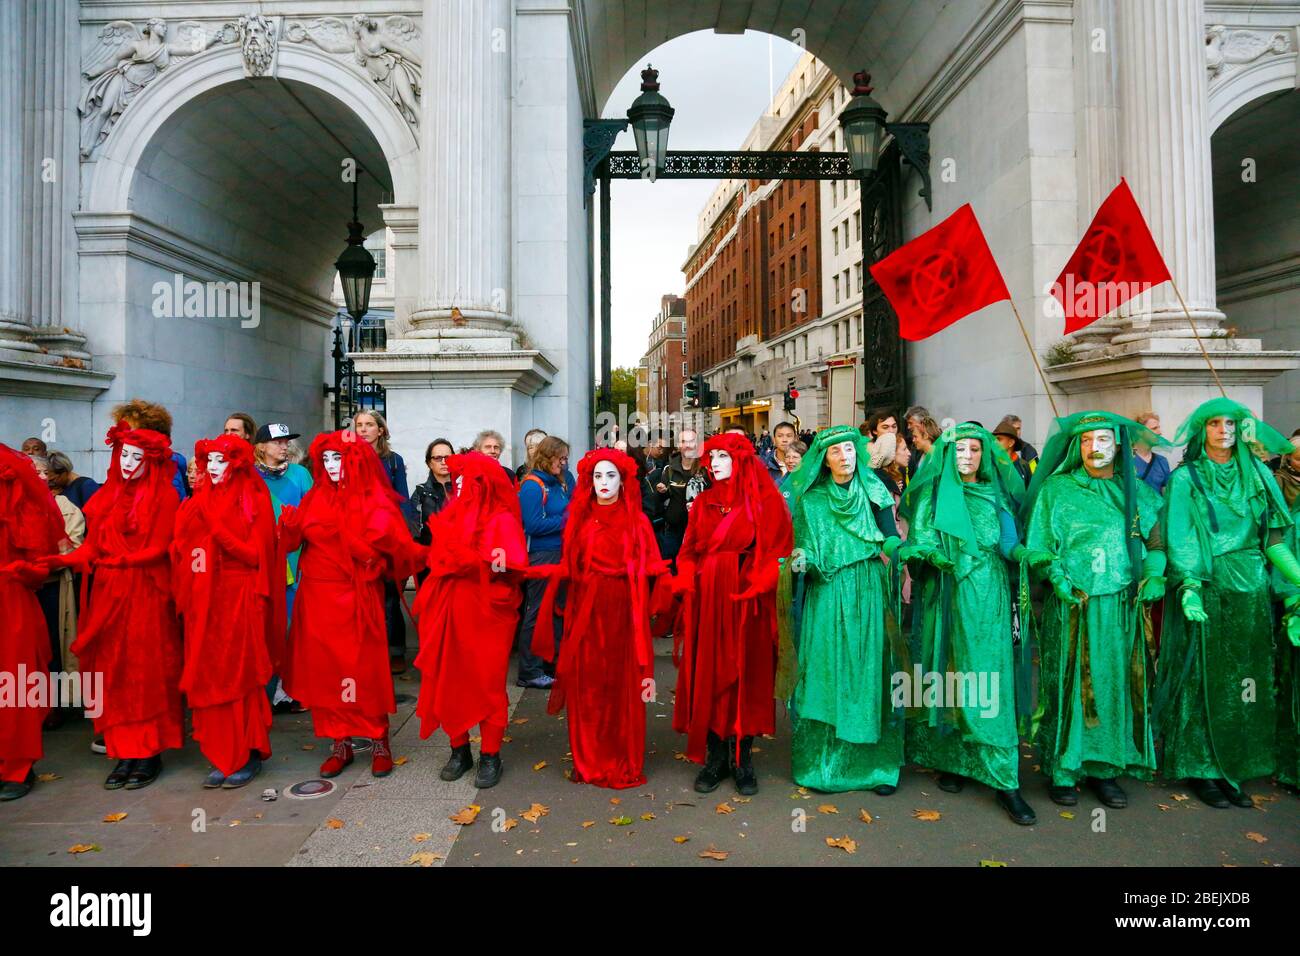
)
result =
(309, 789)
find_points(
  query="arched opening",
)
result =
(1256, 234)
(214, 214)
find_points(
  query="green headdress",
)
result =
(864, 481)
(938, 476)
(1255, 438)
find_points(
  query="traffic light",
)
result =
(791, 393)
(693, 390)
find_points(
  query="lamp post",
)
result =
(651, 116)
(356, 268)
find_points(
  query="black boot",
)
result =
(144, 772)
(1209, 793)
(715, 765)
(460, 761)
(743, 771)
(1109, 792)
(1238, 798)
(117, 777)
(489, 771)
(16, 789)
(1019, 811)
(950, 783)
(1063, 796)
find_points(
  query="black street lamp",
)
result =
(356, 266)
(863, 121)
(650, 116)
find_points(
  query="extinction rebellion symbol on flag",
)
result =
(934, 280)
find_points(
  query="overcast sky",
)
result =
(718, 85)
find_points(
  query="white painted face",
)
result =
(607, 481)
(131, 461)
(1221, 432)
(720, 462)
(333, 465)
(969, 453)
(217, 466)
(1099, 447)
(842, 459)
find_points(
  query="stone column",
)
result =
(15, 313)
(1164, 140)
(465, 234)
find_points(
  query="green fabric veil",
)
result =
(938, 475)
(864, 482)
(1254, 438)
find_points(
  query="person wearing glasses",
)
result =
(431, 495)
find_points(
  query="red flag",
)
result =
(940, 276)
(1116, 260)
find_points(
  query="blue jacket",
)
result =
(544, 526)
(179, 480)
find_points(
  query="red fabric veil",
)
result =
(137, 495)
(641, 559)
(238, 509)
(30, 521)
(751, 486)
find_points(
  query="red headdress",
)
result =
(240, 480)
(30, 521)
(153, 479)
(363, 484)
(484, 491)
(751, 487)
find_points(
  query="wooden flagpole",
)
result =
(1034, 355)
(1195, 332)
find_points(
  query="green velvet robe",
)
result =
(1216, 700)
(1288, 670)
(968, 612)
(845, 734)
(1098, 652)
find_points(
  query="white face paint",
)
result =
(1103, 447)
(606, 480)
(969, 453)
(217, 466)
(1229, 435)
(333, 462)
(131, 461)
(720, 462)
(842, 459)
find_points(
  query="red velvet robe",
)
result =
(337, 662)
(605, 672)
(467, 614)
(229, 590)
(128, 629)
(728, 648)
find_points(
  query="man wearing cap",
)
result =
(287, 483)
(1007, 434)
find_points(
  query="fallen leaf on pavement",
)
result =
(678, 755)
(927, 815)
(308, 746)
(844, 843)
(421, 837)
(724, 808)
(84, 848)
(620, 821)
(742, 799)
(1067, 814)
(423, 859)
(535, 812)
(510, 824)
(713, 853)
(1257, 837)
(519, 720)
(588, 824)
(828, 808)
(114, 817)
(680, 839)
(466, 816)
(616, 800)
(539, 765)
(991, 863)
(334, 824)
(1180, 797)
(399, 761)
(1164, 806)
(865, 817)
(48, 777)
(647, 816)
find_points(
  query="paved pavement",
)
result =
(403, 819)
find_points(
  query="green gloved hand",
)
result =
(1281, 558)
(1151, 590)
(1032, 556)
(1153, 577)
(891, 545)
(1292, 622)
(1193, 610)
(1064, 593)
(939, 560)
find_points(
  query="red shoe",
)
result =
(381, 757)
(339, 758)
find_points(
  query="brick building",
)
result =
(666, 357)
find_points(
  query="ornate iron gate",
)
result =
(884, 361)
(352, 391)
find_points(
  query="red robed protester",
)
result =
(229, 586)
(738, 529)
(467, 611)
(606, 658)
(353, 538)
(129, 631)
(31, 529)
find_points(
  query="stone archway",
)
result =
(233, 186)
